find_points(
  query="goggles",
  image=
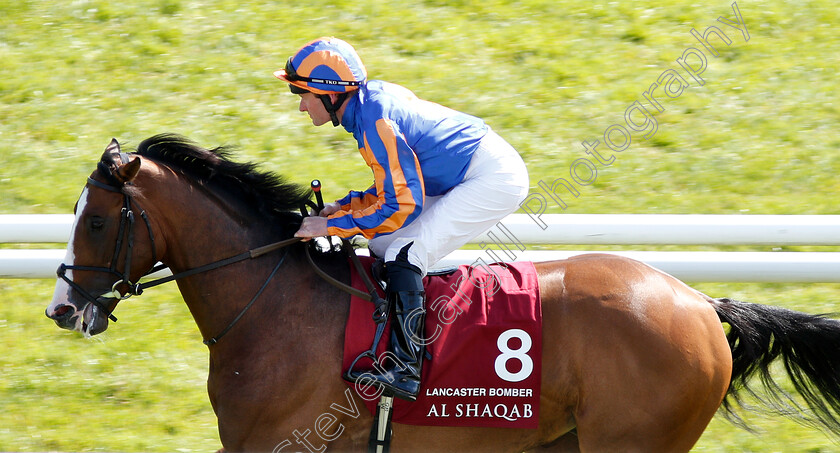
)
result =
(293, 76)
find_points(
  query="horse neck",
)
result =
(292, 335)
(199, 227)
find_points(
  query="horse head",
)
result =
(105, 254)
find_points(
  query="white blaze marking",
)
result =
(62, 289)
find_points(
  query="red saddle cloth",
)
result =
(484, 334)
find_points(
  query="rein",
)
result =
(138, 289)
(369, 296)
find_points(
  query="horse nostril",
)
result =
(62, 312)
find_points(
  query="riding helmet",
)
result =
(324, 66)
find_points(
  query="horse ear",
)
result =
(112, 148)
(128, 171)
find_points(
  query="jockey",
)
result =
(440, 178)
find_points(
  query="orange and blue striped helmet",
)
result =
(324, 66)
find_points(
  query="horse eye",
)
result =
(96, 223)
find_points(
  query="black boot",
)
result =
(400, 375)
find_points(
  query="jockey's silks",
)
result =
(415, 148)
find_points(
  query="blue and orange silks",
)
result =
(415, 148)
(323, 66)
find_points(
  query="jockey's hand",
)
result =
(330, 208)
(312, 227)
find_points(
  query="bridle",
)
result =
(126, 232)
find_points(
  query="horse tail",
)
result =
(809, 347)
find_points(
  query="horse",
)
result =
(633, 359)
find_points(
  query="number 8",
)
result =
(518, 354)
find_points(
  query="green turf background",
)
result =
(759, 137)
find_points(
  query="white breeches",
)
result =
(495, 183)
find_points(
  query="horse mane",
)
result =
(270, 194)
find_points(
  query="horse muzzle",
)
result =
(88, 321)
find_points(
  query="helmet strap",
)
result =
(332, 107)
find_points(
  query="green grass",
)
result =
(760, 137)
(138, 387)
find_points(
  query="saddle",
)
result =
(483, 339)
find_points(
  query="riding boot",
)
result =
(400, 376)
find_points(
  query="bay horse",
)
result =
(633, 359)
